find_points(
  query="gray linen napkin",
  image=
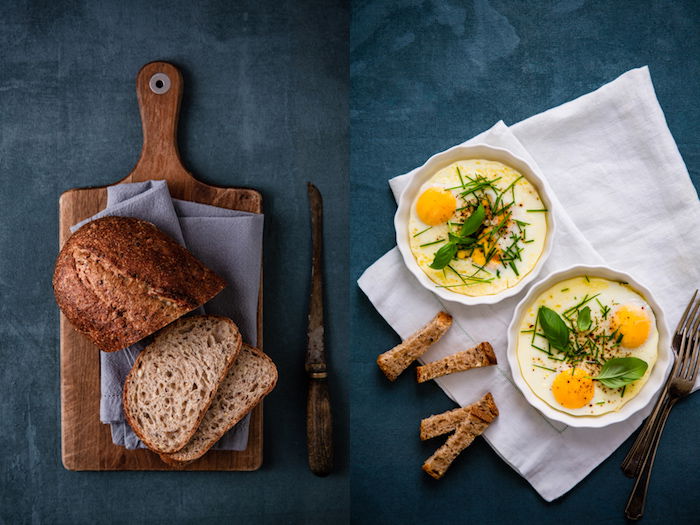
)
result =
(227, 241)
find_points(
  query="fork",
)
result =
(685, 372)
(632, 464)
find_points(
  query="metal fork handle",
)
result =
(634, 460)
(635, 504)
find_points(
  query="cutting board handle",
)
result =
(159, 92)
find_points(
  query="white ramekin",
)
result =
(659, 372)
(432, 166)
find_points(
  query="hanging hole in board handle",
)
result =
(159, 83)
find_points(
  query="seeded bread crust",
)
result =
(396, 360)
(481, 355)
(478, 420)
(176, 377)
(249, 380)
(120, 279)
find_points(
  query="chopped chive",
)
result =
(459, 173)
(541, 350)
(458, 274)
(503, 208)
(534, 329)
(564, 289)
(600, 403)
(544, 367)
(481, 268)
(535, 211)
(622, 393)
(512, 265)
(587, 279)
(510, 186)
(431, 243)
(422, 231)
(579, 305)
(604, 310)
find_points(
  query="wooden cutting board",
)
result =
(86, 443)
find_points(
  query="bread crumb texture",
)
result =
(176, 377)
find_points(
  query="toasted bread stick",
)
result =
(396, 360)
(481, 355)
(478, 420)
(440, 424)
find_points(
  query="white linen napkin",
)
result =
(623, 198)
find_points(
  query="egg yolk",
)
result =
(633, 323)
(435, 206)
(573, 390)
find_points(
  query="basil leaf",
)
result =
(461, 240)
(443, 256)
(473, 222)
(583, 321)
(621, 371)
(554, 327)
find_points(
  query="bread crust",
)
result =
(170, 460)
(396, 360)
(120, 279)
(130, 379)
(481, 355)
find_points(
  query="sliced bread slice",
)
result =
(251, 378)
(399, 358)
(175, 379)
(481, 355)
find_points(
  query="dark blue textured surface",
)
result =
(265, 106)
(426, 75)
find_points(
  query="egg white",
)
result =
(559, 298)
(526, 198)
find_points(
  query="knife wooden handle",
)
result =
(319, 428)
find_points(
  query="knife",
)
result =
(319, 429)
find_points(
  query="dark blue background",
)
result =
(265, 106)
(426, 75)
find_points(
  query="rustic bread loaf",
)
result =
(481, 355)
(175, 379)
(119, 279)
(249, 379)
(478, 420)
(396, 360)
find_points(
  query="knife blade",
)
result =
(319, 428)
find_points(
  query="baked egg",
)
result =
(477, 227)
(587, 345)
